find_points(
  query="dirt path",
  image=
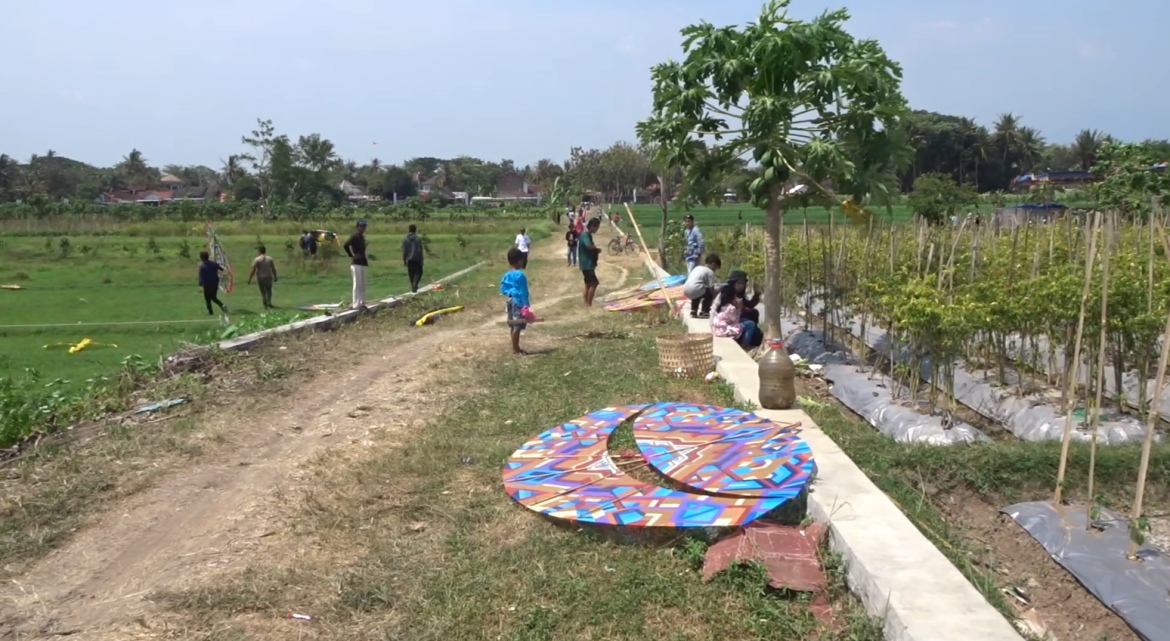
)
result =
(222, 510)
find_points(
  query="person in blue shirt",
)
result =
(694, 243)
(209, 281)
(514, 285)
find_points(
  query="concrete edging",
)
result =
(321, 323)
(895, 571)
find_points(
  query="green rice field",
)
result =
(139, 295)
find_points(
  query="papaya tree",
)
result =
(805, 99)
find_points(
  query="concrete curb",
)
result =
(895, 571)
(321, 323)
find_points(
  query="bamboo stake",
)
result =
(634, 222)
(1150, 270)
(1071, 383)
(1152, 417)
(1100, 367)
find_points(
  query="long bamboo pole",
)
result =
(634, 222)
(1104, 334)
(1074, 376)
(1152, 419)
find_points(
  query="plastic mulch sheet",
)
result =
(870, 394)
(1031, 417)
(1130, 381)
(1138, 591)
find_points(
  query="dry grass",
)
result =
(50, 493)
(416, 540)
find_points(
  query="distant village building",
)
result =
(175, 191)
(355, 194)
(512, 187)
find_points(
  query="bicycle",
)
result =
(617, 246)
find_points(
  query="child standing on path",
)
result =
(209, 280)
(514, 285)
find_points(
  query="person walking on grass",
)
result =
(701, 285)
(514, 285)
(587, 255)
(264, 270)
(523, 243)
(571, 238)
(412, 257)
(209, 281)
(693, 249)
(355, 248)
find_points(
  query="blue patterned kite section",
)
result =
(566, 472)
(723, 451)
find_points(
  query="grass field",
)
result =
(140, 292)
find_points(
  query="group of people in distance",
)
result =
(735, 315)
(733, 312)
(355, 247)
(264, 267)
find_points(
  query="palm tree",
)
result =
(1086, 146)
(1007, 133)
(233, 169)
(134, 167)
(317, 152)
(977, 149)
(965, 131)
(1029, 146)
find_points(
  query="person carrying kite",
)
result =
(209, 281)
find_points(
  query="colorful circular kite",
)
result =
(736, 467)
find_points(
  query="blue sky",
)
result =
(516, 79)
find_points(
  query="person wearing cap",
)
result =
(355, 248)
(693, 248)
(729, 320)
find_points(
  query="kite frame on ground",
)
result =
(737, 466)
(220, 256)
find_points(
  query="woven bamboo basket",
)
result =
(686, 355)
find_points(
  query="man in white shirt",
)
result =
(523, 242)
(701, 286)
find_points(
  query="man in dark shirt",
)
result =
(571, 238)
(209, 281)
(412, 257)
(355, 248)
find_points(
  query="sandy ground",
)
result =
(221, 511)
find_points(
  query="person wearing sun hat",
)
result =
(355, 248)
(728, 320)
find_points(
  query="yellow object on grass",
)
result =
(85, 342)
(430, 316)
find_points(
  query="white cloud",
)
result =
(939, 26)
(628, 46)
(73, 95)
(1093, 50)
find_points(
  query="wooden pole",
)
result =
(634, 222)
(1074, 375)
(1104, 334)
(1152, 417)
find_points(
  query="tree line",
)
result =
(275, 168)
